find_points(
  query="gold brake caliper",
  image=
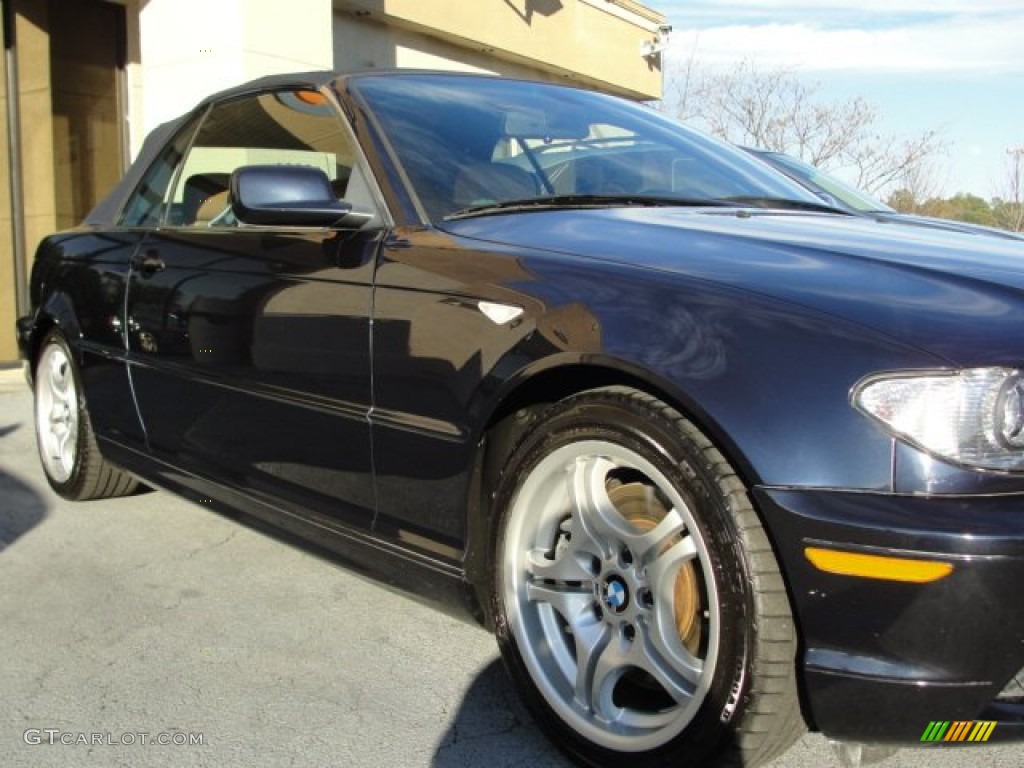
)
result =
(641, 507)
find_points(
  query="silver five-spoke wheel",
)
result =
(607, 595)
(637, 602)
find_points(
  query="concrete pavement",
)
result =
(150, 615)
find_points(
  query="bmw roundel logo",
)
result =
(616, 597)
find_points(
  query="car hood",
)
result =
(942, 291)
(947, 224)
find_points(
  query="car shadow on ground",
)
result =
(492, 728)
(21, 508)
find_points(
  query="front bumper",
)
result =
(24, 328)
(882, 659)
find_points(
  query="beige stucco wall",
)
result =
(183, 50)
(367, 43)
(37, 159)
(188, 49)
(37, 162)
(593, 42)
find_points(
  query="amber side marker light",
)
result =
(310, 97)
(877, 566)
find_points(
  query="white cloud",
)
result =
(956, 65)
(963, 45)
(823, 8)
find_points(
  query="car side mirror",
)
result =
(291, 196)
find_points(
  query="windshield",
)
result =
(465, 142)
(819, 181)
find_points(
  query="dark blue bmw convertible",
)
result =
(714, 461)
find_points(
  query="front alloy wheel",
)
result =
(628, 601)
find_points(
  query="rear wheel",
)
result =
(67, 446)
(639, 607)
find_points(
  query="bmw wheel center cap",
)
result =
(616, 596)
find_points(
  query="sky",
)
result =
(953, 65)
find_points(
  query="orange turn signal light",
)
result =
(311, 97)
(877, 566)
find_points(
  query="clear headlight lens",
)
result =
(973, 417)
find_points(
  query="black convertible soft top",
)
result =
(107, 210)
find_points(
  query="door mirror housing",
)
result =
(290, 196)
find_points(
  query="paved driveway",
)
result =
(150, 619)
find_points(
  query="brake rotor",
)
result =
(641, 507)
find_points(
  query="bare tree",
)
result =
(881, 161)
(775, 109)
(1010, 209)
(916, 184)
(679, 89)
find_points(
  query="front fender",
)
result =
(767, 380)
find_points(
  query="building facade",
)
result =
(85, 80)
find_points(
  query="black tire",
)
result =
(67, 445)
(581, 622)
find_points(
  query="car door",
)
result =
(249, 346)
(87, 297)
(87, 294)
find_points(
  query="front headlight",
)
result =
(973, 417)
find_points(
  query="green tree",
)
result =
(961, 207)
(1009, 214)
(903, 200)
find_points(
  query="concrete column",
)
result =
(8, 347)
(36, 96)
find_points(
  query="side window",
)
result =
(147, 204)
(284, 127)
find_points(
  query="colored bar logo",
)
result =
(958, 730)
